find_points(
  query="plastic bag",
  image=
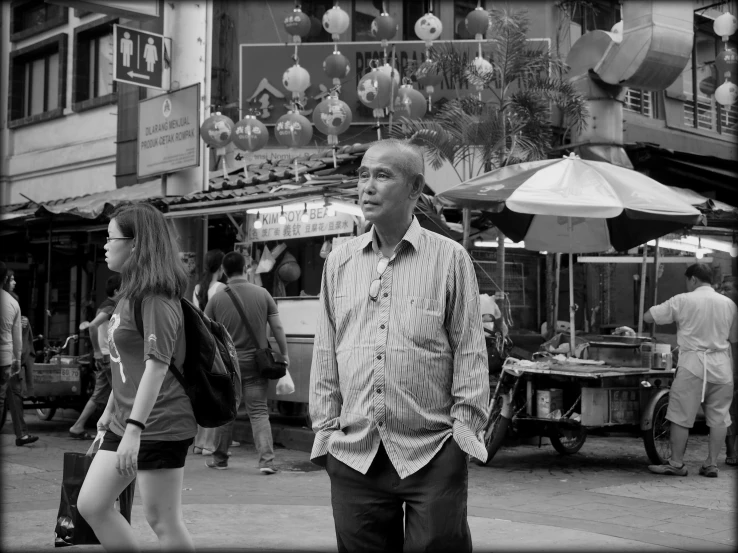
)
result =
(285, 385)
(266, 262)
(326, 248)
(71, 527)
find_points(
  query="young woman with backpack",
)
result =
(210, 284)
(149, 420)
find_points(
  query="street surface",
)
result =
(529, 498)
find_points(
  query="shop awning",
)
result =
(89, 206)
(92, 206)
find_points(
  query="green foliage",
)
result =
(513, 127)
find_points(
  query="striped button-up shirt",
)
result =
(409, 369)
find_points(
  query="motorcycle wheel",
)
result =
(657, 438)
(495, 432)
(46, 414)
(566, 440)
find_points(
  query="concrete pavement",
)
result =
(528, 499)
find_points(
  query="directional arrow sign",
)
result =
(142, 58)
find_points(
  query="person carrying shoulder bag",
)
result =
(261, 309)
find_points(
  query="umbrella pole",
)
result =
(556, 295)
(572, 307)
(656, 259)
(466, 220)
(642, 298)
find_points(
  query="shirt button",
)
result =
(386, 294)
(381, 423)
(379, 390)
(381, 326)
(379, 357)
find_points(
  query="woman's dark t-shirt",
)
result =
(171, 417)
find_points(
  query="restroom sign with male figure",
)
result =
(142, 58)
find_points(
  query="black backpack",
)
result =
(210, 374)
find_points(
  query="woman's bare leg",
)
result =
(96, 503)
(161, 495)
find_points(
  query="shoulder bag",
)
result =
(269, 363)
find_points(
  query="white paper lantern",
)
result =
(726, 25)
(483, 69)
(336, 21)
(428, 28)
(726, 94)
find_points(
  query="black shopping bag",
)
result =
(71, 527)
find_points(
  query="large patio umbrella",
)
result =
(572, 205)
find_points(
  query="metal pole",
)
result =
(556, 295)
(538, 293)
(572, 307)
(47, 304)
(501, 260)
(466, 220)
(642, 298)
(657, 258)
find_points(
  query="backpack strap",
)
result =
(239, 307)
(138, 316)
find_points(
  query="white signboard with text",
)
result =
(319, 224)
(169, 132)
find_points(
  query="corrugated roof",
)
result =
(315, 173)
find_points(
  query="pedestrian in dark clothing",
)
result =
(11, 357)
(730, 289)
(261, 310)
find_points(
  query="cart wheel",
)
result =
(495, 432)
(656, 438)
(46, 414)
(4, 415)
(567, 440)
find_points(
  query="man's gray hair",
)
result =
(413, 162)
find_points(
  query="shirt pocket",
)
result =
(422, 323)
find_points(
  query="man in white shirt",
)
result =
(707, 328)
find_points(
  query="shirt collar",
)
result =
(238, 279)
(412, 236)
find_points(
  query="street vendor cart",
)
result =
(59, 382)
(563, 399)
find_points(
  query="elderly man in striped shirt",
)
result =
(399, 385)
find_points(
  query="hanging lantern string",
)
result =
(479, 3)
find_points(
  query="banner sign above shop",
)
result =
(263, 65)
(169, 132)
(319, 224)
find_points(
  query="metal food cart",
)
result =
(562, 400)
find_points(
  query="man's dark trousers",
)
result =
(367, 509)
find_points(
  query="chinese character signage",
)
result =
(319, 224)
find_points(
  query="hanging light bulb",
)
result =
(699, 254)
(282, 219)
(734, 247)
(258, 224)
(330, 212)
(305, 217)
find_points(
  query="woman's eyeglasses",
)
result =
(376, 284)
(110, 239)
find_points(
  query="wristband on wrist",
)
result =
(141, 425)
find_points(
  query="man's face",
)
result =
(729, 289)
(384, 190)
